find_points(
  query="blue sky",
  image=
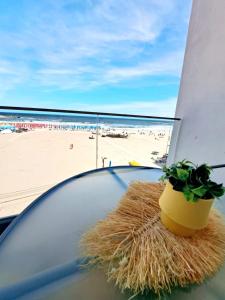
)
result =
(101, 55)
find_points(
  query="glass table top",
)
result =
(40, 253)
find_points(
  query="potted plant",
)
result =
(188, 196)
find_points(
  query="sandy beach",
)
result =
(31, 162)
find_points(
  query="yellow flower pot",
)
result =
(180, 216)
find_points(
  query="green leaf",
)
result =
(188, 193)
(203, 173)
(165, 169)
(163, 178)
(182, 174)
(217, 192)
(200, 191)
(189, 196)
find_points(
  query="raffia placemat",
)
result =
(139, 253)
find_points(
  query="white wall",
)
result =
(201, 101)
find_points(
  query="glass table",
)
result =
(40, 256)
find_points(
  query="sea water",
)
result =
(83, 120)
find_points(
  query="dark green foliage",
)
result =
(194, 181)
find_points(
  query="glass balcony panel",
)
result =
(133, 141)
(40, 149)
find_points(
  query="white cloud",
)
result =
(168, 65)
(163, 108)
(89, 77)
(64, 45)
(11, 75)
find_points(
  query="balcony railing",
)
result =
(41, 147)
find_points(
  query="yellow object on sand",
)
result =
(134, 163)
(139, 253)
